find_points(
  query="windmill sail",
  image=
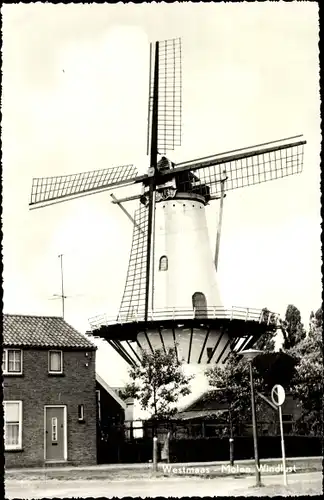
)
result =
(133, 302)
(45, 190)
(169, 95)
(164, 131)
(244, 168)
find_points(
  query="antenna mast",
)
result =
(62, 285)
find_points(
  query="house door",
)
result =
(55, 433)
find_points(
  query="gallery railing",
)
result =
(183, 313)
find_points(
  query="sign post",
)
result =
(155, 454)
(278, 397)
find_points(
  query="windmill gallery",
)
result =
(164, 303)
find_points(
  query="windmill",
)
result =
(171, 296)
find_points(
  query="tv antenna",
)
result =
(61, 295)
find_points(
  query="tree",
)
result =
(311, 321)
(316, 320)
(266, 342)
(158, 383)
(275, 368)
(292, 327)
(307, 383)
(232, 385)
(319, 318)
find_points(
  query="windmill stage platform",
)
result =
(201, 337)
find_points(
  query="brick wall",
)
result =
(36, 388)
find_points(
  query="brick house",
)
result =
(49, 392)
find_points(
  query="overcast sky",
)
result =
(75, 89)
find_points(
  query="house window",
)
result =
(163, 265)
(80, 412)
(55, 362)
(54, 430)
(12, 361)
(12, 424)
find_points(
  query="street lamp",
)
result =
(249, 355)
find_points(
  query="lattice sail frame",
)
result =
(169, 96)
(241, 169)
(47, 189)
(133, 301)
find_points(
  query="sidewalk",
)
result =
(298, 484)
(140, 470)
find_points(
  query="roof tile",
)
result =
(42, 331)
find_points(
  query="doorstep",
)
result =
(57, 463)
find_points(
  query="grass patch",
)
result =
(81, 475)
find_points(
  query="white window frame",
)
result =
(17, 446)
(81, 416)
(55, 372)
(5, 362)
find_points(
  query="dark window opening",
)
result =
(209, 352)
(199, 304)
(163, 265)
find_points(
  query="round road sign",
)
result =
(278, 395)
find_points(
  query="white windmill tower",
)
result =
(171, 296)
